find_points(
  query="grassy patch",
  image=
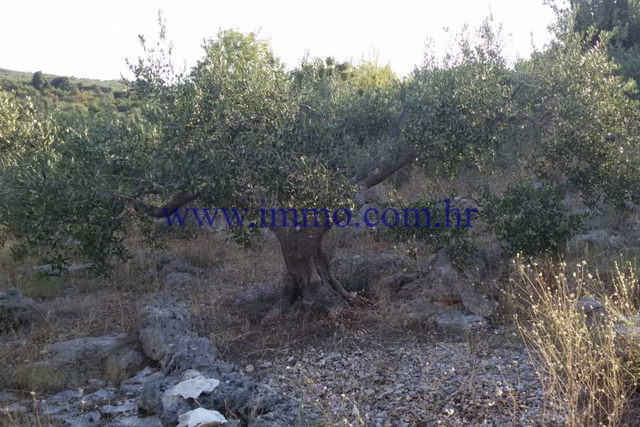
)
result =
(40, 378)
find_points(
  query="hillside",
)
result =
(66, 91)
(26, 77)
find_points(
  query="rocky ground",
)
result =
(483, 380)
(188, 347)
(478, 377)
(411, 385)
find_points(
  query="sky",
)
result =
(92, 39)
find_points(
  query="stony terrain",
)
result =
(430, 348)
(484, 379)
(420, 384)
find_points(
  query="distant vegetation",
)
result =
(66, 92)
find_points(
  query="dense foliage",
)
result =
(533, 220)
(615, 23)
(460, 106)
(240, 130)
(588, 123)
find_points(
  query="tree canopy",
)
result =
(241, 130)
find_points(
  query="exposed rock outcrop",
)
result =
(190, 371)
(450, 285)
(190, 388)
(17, 311)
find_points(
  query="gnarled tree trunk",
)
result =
(308, 280)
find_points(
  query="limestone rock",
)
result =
(135, 385)
(478, 303)
(90, 348)
(126, 407)
(451, 286)
(396, 281)
(264, 294)
(167, 333)
(101, 396)
(190, 388)
(201, 418)
(151, 394)
(17, 311)
(127, 360)
(140, 422)
(457, 321)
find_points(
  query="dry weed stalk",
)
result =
(585, 370)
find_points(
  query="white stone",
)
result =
(190, 388)
(194, 387)
(201, 418)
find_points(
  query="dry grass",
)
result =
(232, 271)
(73, 306)
(38, 416)
(587, 373)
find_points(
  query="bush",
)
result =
(38, 81)
(456, 239)
(532, 220)
(61, 83)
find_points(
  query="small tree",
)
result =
(38, 81)
(62, 83)
(59, 171)
(244, 132)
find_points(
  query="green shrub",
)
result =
(532, 220)
(455, 239)
(62, 83)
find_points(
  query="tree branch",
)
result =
(397, 131)
(177, 202)
(407, 157)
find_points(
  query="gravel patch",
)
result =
(417, 384)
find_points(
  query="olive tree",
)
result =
(241, 131)
(585, 119)
(59, 172)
